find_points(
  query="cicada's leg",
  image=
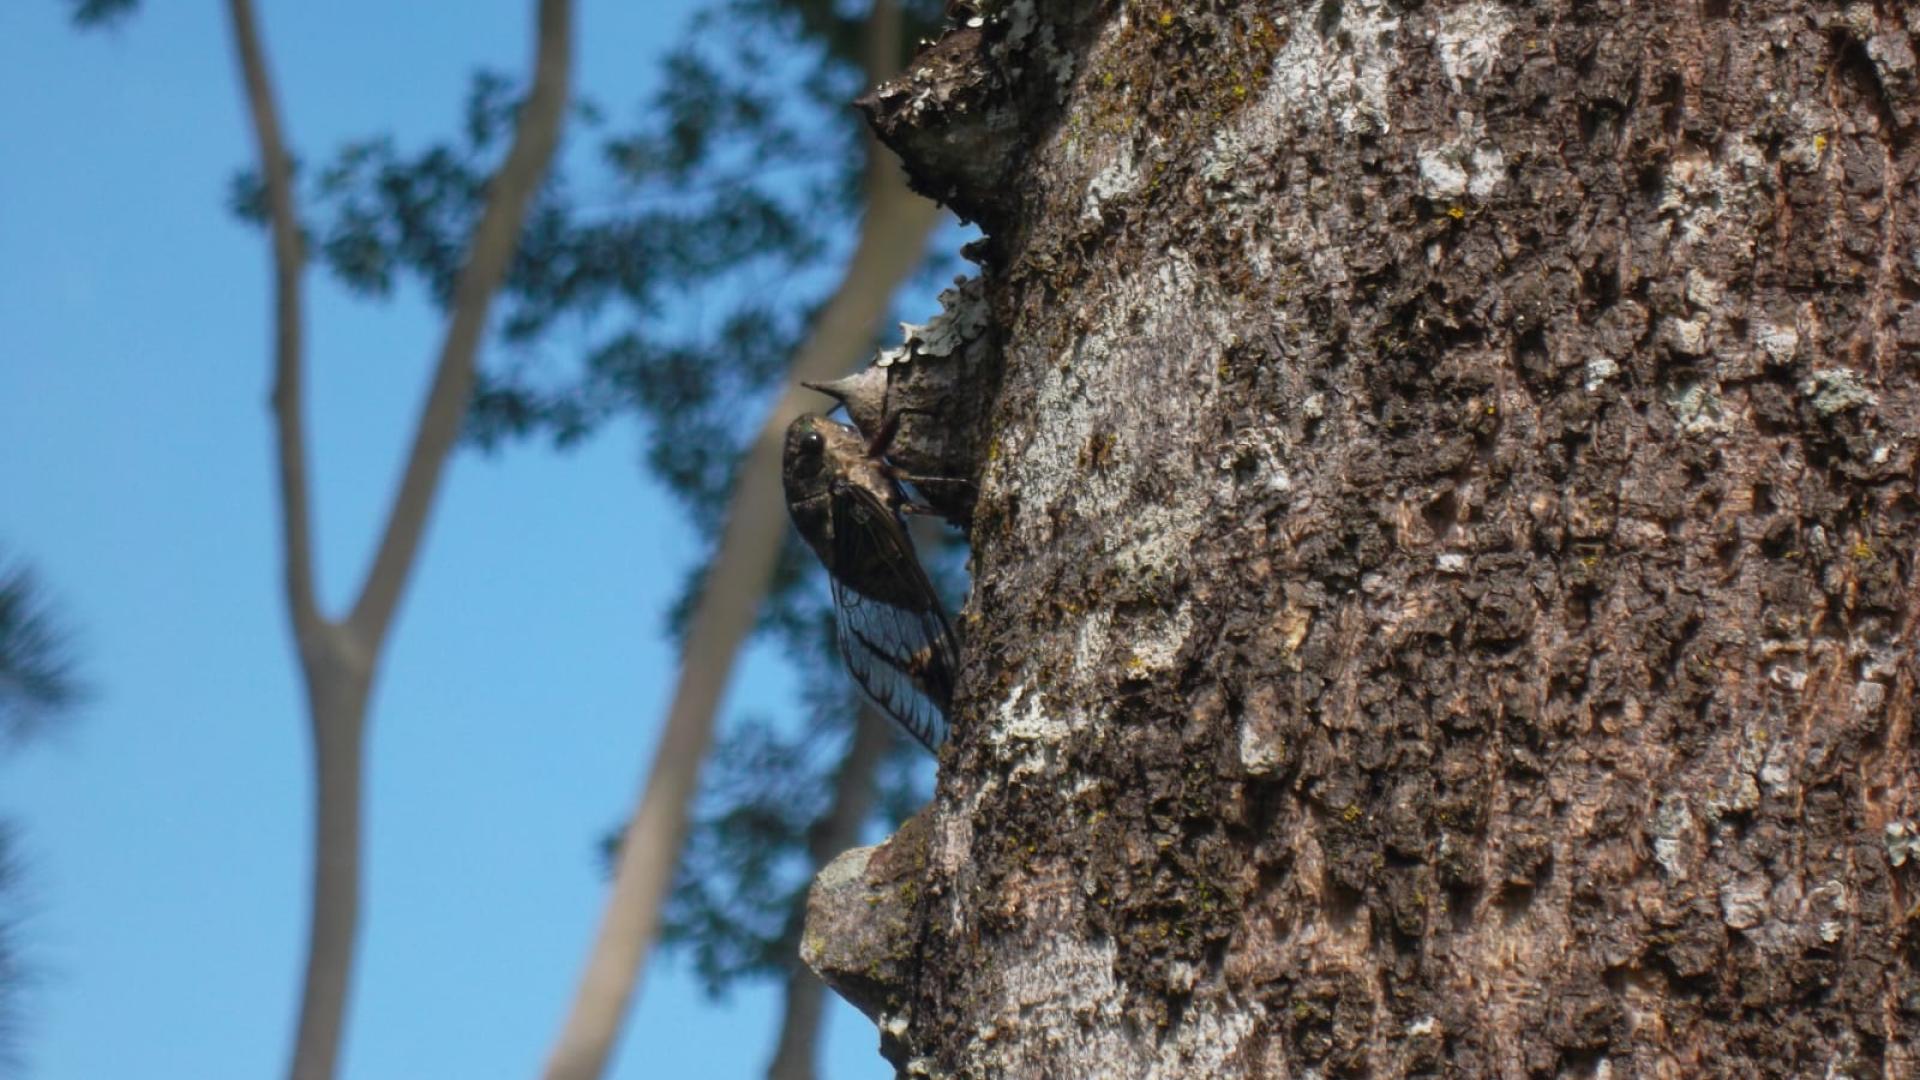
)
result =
(963, 490)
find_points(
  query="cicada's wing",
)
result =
(893, 633)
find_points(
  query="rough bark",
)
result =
(1444, 555)
(893, 235)
(338, 657)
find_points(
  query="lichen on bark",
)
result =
(1444, 556)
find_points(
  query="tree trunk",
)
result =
(1444, 559)
(338, 657)
(338, 685)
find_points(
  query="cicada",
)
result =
(892, 631)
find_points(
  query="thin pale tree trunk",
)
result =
(339, 657)
(892, 241)
(337, 711)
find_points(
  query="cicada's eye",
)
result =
(812, 443)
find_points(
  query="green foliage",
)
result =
(740, 890)
(739, 896)
(90, 13)
(745, 115)
(736, 897)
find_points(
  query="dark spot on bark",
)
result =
(1327, 20)
(1463, 904)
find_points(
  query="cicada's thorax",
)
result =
(821, 455)
(813, 518)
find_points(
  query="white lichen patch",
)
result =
(1261, 750)
(1090, 642)
(1599, 370)
(1456, 170)
(1155, 648)
(1868, 697)
(1066, 992)
(1442, 176)
(1697, 409)
(1777, 775)
(1023, 717)
(963, 316)
(1832, 905)
(1739, 793)
(1467, 41)
(1837, 390)
(1672, 834)
(1120, 178)
(1809, 123)
(1019, 46)
(1047, 466)
(1685, 337)
(1778, 341)
(1020, 16)
(1703, 291)
(1161, 540)
(1344, 77)
(1023, 735)
(1903, 842)
(1231, 174)
(1892, 54)
(1702, 190)
(847, 868)
(1089, 398)
(1059, 63)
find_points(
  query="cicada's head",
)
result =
(818, 452)
(820, 457)
(803, 463)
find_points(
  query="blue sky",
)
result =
(166, 835)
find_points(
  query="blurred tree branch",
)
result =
(338, 657)
(893, 235)
(797, 1046)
